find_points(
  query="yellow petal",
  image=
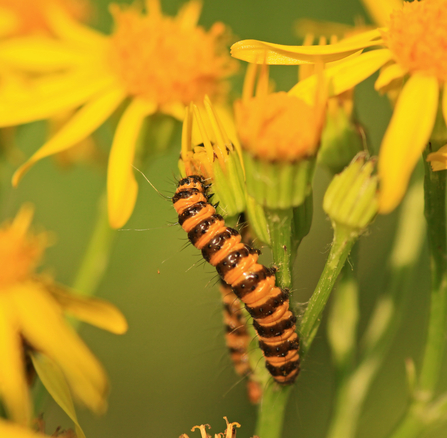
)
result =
(11, 430)
(380, 10)
(80, 126)
(344, 75)
(95, 311)
(54, 381)
(261, 52)
(69, 93)
(40, 54)
(389, 74)
(46, 331)
(189, 14)
(121, 184)
(406, 137)
(173, 109)
(13, 387)
(66, 28)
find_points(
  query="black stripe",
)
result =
(276, 329)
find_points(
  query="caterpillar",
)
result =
(238, 339)
(253, 283)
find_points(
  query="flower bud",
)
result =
(351, 198)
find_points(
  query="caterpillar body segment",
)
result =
(238, 339)
(237, 264)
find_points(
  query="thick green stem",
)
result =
(89, 275)
(97, 255)
(343, 241)
(417, 417)
(271, 411)
(274, 399)
(280, 230)
(434, 185)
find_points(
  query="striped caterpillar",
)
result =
(238, 339)
(252, 283)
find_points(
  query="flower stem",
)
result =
(435, 185)
(417, 417)
(343, 241)
(271, 411)
(274, 400)
(97, 255)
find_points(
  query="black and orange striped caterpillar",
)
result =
(253, 283)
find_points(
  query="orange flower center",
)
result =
(165, 60)
(417, 36)
(29, 16)
(20, 251)
(277, 126)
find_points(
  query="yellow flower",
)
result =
(414, 48)
(22, 17)
(32, 325)
(277, 126)
(160, 63)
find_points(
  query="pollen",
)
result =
(417, 36)
(29, 16)
(20, 250)
(277, 127)
(168, 59)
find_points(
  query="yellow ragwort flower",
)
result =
(277, 126)
(159, 63)
(23, 17)
(32, 324)
(413, 47)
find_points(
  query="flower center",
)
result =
(417, 36)
(277, 126)
(20, 251)
(164, 59)
(29, 16)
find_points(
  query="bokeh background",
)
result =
(171, 371)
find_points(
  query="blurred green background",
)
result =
(171, 370)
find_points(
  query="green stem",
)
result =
(343, 241)
(416, 418)
(88, 277)
(274, 399)
(271, 411)
(97, 255)
(280, 229)
(434, 185)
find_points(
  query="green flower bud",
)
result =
(351, 198)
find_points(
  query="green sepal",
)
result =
(256, 218)
(229, 186)
(279, 185)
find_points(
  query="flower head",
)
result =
(32, 325)
(208, 151)
(414, 48)
(277, 126)
(24, 17)
(161, 63)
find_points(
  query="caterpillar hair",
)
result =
(252, 283)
